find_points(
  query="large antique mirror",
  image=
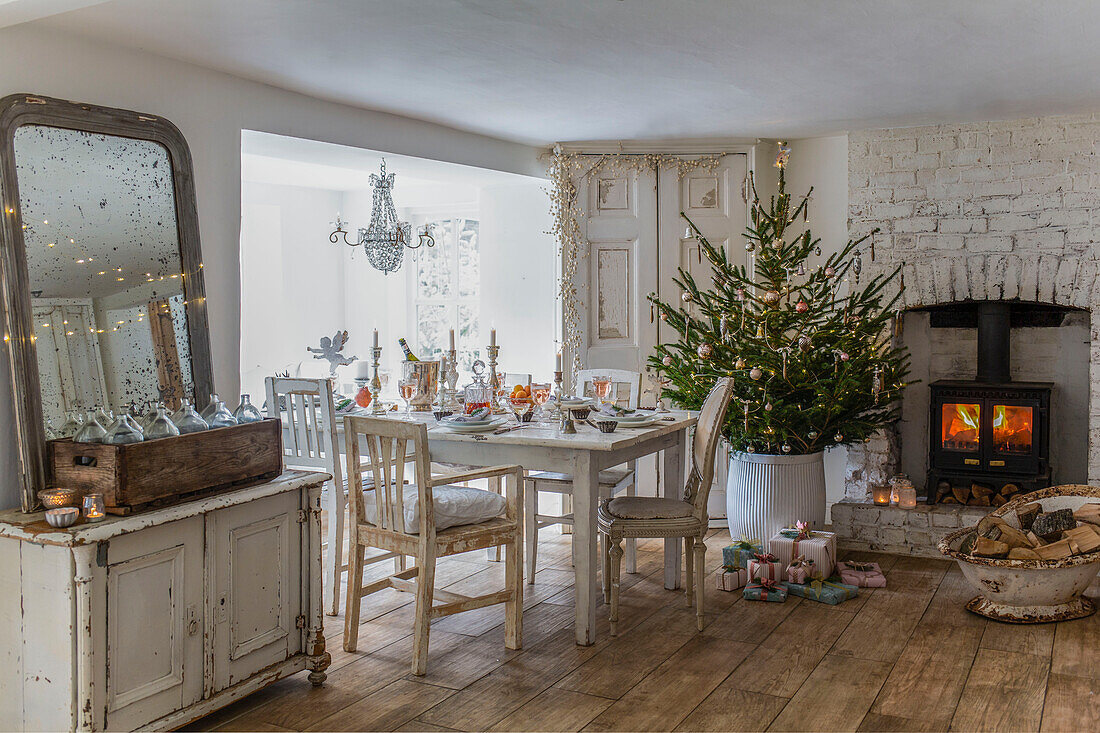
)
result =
(103, 298)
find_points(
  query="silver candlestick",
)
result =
(494, 380)
(376, 382)
(451, 378)
(565, 418)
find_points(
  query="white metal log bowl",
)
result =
(1030, 591)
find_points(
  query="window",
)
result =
(447, 290)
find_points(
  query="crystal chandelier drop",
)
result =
(385, 238)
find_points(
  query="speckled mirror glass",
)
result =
(104, 270)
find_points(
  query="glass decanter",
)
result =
(161, 426)
(93, 430)
(208, 412)
(187, 420)
(478, 393)
(123, 430)
(246, 411)
(220, 417)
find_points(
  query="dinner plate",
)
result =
(456, 421)
(576, 401)
(475, 428)
(640, 423)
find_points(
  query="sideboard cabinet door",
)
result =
(154, 622)
(256, 593)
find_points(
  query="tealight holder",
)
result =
(94, 510)
(57, 498)
(907, 497)
(880, 495)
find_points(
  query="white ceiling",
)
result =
(544, 70)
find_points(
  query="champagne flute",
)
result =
(520, 406)
(407, 388)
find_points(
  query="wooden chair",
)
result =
(386, 439)
(626, 389)
(658, 517)
(310, 419)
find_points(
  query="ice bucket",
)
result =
(426, 376)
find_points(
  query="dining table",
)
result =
(538, 446)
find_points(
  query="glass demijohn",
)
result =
(92, 431)
(187, 420)
(161, 426)
(246, 411)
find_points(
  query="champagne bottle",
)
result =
(409, 355)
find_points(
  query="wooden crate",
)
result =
(169, 468)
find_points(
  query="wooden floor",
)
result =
(906, 657)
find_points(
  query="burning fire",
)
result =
(960, 426)
(1012, 429)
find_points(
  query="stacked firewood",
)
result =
(975, 495)
(1040, 535)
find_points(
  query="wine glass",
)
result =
(520, 406)
(601, 386)
(540, 393)
(407, 388)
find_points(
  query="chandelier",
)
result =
(385, 238)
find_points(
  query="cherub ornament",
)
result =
(330, 350)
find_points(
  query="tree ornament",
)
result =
(740, 292)
(663, 316)
(801, 269)
(704, 351)
(739, 364)
(802, 306)
(685, 296)
(785, 351)
(857, 265)
(844, 356)
(755, 373)
(771, 297)
(723, 327)
(812, 435)
(804, 343)
(667, 360)
(750, 247)
(750, 448)
(830, 271)
(786, 448)
(838, 437)
(768, 407)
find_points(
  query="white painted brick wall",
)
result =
(989, 210)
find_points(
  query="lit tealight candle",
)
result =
(881, 495)
(93, 507)
(907, 497)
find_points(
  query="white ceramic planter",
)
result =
(765, 493)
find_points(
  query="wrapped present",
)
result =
(861, 574)
(765, 590)
(739, 553)
(820, 547)
(800, 570)
(762, 565)
(732, 578)
(830, 591)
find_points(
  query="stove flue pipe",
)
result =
(994, 342)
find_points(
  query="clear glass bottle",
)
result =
(246, 411)
(187, 420)
(93, 430)
(123, 430)
(71, 426)
(208, 412)
(221, 417)
(161, 426)
(478, 393)
(135, 418)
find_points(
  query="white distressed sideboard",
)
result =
(156, 619)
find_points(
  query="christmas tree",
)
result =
(809, 348)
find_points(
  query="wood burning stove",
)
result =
(989, 437)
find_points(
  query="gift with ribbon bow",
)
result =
(830, 591)
(740, 552)
(862, 574)
(762, 565)
(820, 547)
(765, 590)
(732, 578)
(800, 569)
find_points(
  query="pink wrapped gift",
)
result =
(763, 567)
(862, 574)
(800, 569)
(820, 547)
(732, 578)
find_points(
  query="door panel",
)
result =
(154, 639)
(715, 203)
(256, 599)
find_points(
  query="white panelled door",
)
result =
(716, 203)
(620, 208)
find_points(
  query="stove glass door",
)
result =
(1012, 429)
(960, 426)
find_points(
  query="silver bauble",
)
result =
(704, 351)
(756, 373)
(838, 437)
(786, 448)
(812, 435)
(771, 297)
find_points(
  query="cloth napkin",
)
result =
(479, 414)
(610, 408)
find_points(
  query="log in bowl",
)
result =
(1030, 591)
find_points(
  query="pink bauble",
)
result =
(801, 306)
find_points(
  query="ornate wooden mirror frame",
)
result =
(15, 298)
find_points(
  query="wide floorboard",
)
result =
(903, 658)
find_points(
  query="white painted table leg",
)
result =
(83, 558)
(672, 476)
(319, 659)
(585, 495)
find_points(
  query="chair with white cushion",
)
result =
(659, 517)
(626, 388)
(427, 519)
